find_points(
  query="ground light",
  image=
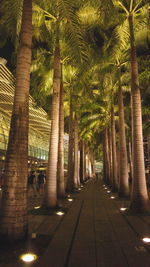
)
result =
(112, 197)
(37, 207)
(79, 188)
(70, 199)
(68, 196)
(28, 257)
(108, 191)
(146, 239)
(60, 213)
(123, 209)
(105, 187)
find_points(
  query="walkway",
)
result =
(93, 233)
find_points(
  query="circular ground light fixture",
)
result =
(28, 257)
(108, 191)
(37, 207)
(70, 199)
(60, 213)
(112, 197)
(123, 209)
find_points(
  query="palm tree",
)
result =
(60, 166)
(14, 201)
(123, 189)
(139, 198)
(63, 15)
(114, 153)
(51, 185)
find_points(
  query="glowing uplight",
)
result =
(79, 189)
(37, 207)
(60, 213)
(81, 185)
(112, 197)
(68, 196)
(105, 187)
(70, 199)
(0, 188)
(146, 239)
(123, 209)
(108, 191)
(28, 257)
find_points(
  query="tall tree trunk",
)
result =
(110, 155)
(139, 198)
(60, 167)
(123, 189)
(70, 149)
(131, 162)
(14, 202)
(82, 162)
(114, 153)
(76, 160)
(51, 184)
(149, 159)
(106, 157)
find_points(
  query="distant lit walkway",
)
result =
(95, 233)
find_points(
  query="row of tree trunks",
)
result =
(139, 195)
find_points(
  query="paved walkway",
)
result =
(93, 233)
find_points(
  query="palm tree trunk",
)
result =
(114, 153)
(131, 162)
(106, 157)
(123, 189)
(76, 163)
(139, 199)
(51, 184)
(60, 167)
(149, 159)
(14, 202)
(82, 161)
(70, 149)
(110, 155)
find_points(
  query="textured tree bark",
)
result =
(110, 155)
(149, 159)
(82, 162)
(60, 167)
(114, 154)
(131, 162)
(76, 160)
(13, 222)
(51, 184)
(106, 157)
(123, 188)
(70, 149)
(139, 199)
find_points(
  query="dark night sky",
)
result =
(6, 52)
